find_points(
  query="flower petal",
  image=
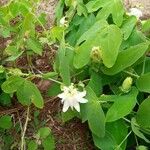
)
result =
(62, 95)
(65, 106)
(82, 100)
(77, 106)
(82, 94)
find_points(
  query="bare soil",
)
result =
(144, 5)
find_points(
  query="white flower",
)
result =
(71, 97)
(63, 22)
(136, 12)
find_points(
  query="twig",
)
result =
(10, 111)
(20, 121)
(24, 130)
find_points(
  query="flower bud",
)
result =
(96, 54)
(80, 84)
(141, 147)
(126, 85)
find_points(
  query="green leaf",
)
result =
(28, 24)
(146, 25)
(43, 132)
(117, 11)
(128, 26)
(111, 39)
(126, 58)
(96, 83)
(13, 52)
(105, 143)
(49, 143)
(82, 55)
(102, 39)
(32, 145)
(139, 67)
(59, 10)
(90, 96)
(95, 5)
(114, 7)
(5, 32)
(34, 45)
(115, 134)
(12, 84)
(29, 93)
(81, 9)
(5, 99)
(42, 19)
(8, 140)
(64, 66)
(14, 57)
(143, 83)
(96, 119)
(5, 122)
(24, 8)
(143, 112)
(66, 116)
(122, 106)
(119, 131)
(136, 130)
(94, 29)
(134, 39)
(83, 24)
(2, 69)
(93, 112)
(54, 89)
(14, 8)
(56, 33)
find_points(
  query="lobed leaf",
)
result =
(126, 58)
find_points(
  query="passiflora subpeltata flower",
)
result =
(72, 97)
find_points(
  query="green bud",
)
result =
(141, 147)
(81, 84)
(96, 55)
(126, 85)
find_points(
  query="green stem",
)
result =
(55, 81)
(86, 80)
(127, 120)
(117, 148)
(143, 69)
(136, 140)
(131, 74)
(78, 73)
(40, 76)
